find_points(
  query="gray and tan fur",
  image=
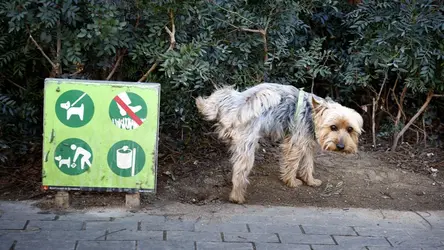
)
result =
(268, 110)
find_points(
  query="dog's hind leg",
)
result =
(306, 169)
(243, 160)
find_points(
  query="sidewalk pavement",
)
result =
(226, 226)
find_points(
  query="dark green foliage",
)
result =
(337, 49)
(397, 45)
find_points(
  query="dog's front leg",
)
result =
(291, 158)
(307, 168)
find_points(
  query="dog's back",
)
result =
(234, 109)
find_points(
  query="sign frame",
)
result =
(49, 133)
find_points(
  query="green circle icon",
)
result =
(128, 111)
(126, 158)
(73, 156)
(74, 108)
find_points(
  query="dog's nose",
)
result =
(340, 146)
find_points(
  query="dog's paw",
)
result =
(315, 183)
(293, 182)
(237, 198)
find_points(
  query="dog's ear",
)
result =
(317, 103)
(328, 99)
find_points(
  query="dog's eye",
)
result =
(333, 128)
(350, 129)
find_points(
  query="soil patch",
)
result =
(410, 179)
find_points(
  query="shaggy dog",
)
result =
(283, 112)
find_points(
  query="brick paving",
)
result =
(226, 227)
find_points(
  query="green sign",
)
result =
(74, 108)
(73, 156)
(100, 135)
(128, 110)
(126, 158)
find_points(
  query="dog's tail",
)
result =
(232, 108)
(210, 106)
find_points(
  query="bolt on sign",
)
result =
(100, 135)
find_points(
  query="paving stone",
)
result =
(436, 218)
(165, 245)
(223, 246)
(425, 240)
(135, 235)
(322, 228)
(260, 219)
(55, 225)
(6, 244)
(44, 244)
(193, 236)
(82, 217)
(306, 239)
(280, 246)
(329, 230)
(221, 227)
(274, 228)
(54, 235)
(111, 225)
(125, 219)
(106, 245)
(422, 233)
(25, 217)
(251, 237)
(168, 225)
(12, 224)
(336, 247)
(396, 248)
(361, 241)
(318, 219)
(380, 231)
(144, 218)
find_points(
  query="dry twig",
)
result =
(172, 34)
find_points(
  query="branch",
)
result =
(375, 103)
(172, 34)
(14, 83)
(145, 76)
(400, 104)
(264, 37)
(382, 86)
(59, 49)
(263, 33)
(77, 72)
(423, 107)
(436, 95)
(41, 50)
(260, 31)
(232, 12)
(119, 59)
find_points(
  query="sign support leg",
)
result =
(132, 200)
(62, 199)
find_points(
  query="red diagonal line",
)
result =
(128, 110)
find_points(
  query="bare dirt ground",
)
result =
(410, 179)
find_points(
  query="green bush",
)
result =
(330, 47)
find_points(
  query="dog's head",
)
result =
(337, 127)
(65, 105)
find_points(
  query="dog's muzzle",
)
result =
(340, 146)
